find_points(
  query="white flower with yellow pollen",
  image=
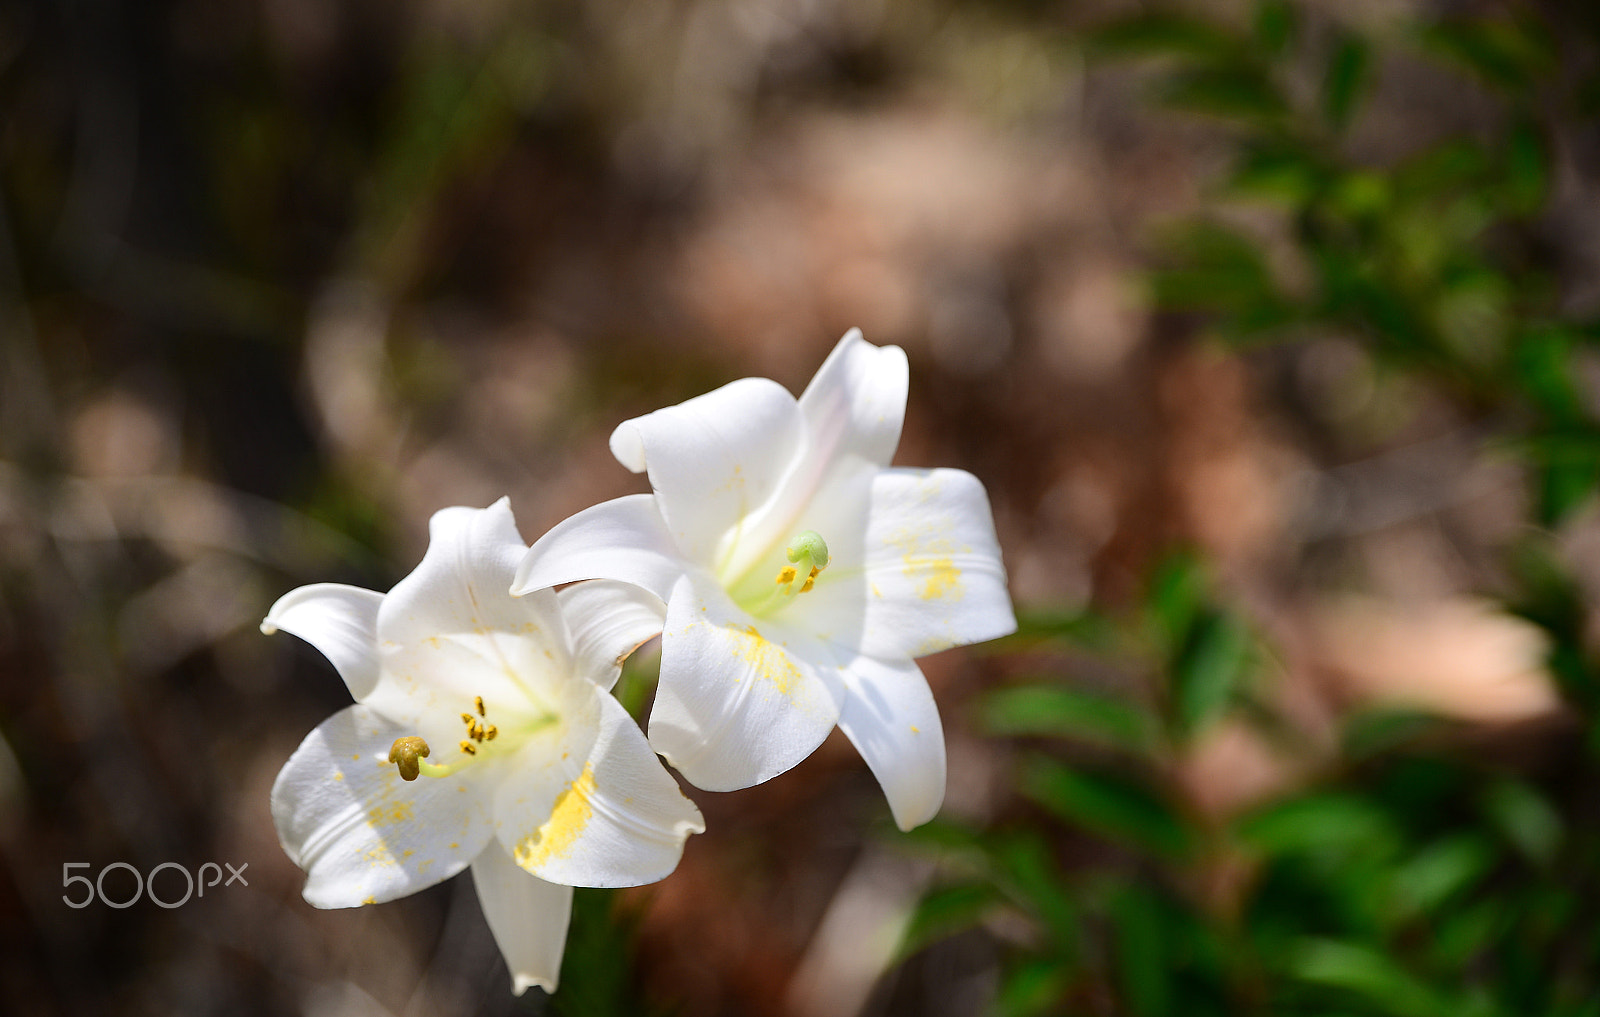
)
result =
(801, 575)
(483, 735)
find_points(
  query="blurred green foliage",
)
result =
(1412, 874)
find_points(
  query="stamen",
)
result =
(469, 748)
(490, 731)
(466, 718)
(478, 702)
(786, 575)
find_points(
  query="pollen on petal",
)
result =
(568, 818)
(767, 659)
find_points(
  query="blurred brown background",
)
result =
(280, 278)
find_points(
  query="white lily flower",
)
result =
(483, 735)
(800, 572)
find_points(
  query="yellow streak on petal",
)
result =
(767, 659)
(560, 832)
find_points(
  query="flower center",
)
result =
(807, 555)
(410, 753)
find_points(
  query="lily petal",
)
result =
(856, 402)
(624, 539)
(341, 622)
(714, 460)
(609, 620)
(361, 833)
(618, 819)
(891, 719)
(449, 631)
(527, 915)
(736, 706)
(931, 578)
(460, 584)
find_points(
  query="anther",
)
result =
(469, 748)
(490, 731)
(786, 575)
(478, 702)
(406, 753)
(466, 718)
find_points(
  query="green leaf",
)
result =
(1209, 670)
(1275, 25)
(1214, 269)
(1440, 871)
(1060, 712)
(1025, 869)
(1510, 54)
(1369, 733)
(1143, 958)
(941, 834)
(640, 672)
(1177, 595)
(1368, 974)
(1110, 805)
(945, 912)
(1344, 78)
(1033, 987)
(1286, 175)
(1526, 818)
(1331, 823)
(1542, 357)
(1527, 166)
(595, 969)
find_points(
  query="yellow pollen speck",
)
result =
(407, 853)
(389, 813)
(370, 900)
(943, 580)
(560, 832)
(915, 729)
(767, 659)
